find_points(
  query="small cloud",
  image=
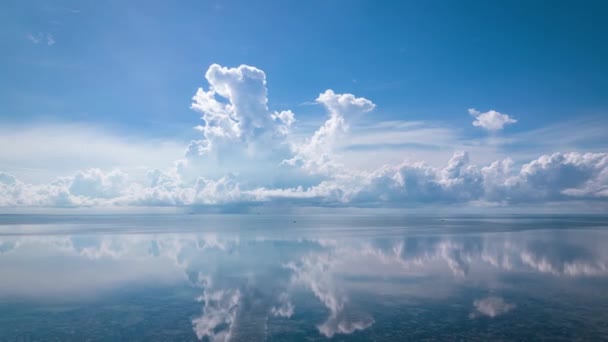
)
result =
(491, 120)
(34, 38)
(285, 308)
(491, 307)
(50, 40)
(40, 37)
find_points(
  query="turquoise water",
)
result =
(297, 277)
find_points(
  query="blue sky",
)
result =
(108, 86)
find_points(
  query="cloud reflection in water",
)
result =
(264, 275)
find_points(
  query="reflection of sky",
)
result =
(249, 279)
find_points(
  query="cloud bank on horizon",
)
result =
(264, 162)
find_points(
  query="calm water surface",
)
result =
(292, 278)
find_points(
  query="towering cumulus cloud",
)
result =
(315, 155)
(249, 154)
(235, 110)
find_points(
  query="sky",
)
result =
(238, 104)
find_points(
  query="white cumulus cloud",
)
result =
(235, 110)
(549, 178)
(248, 155)
(491, 120)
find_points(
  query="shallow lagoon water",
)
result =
(297, 277)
